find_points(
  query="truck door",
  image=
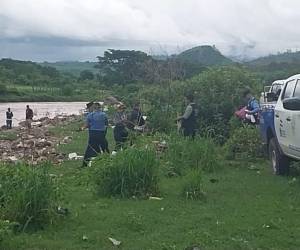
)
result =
(283, 119)
(295, 127)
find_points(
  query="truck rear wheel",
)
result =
(279, 162)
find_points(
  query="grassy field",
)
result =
(244, 209)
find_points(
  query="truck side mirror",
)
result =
(292, 103)
(271, 97)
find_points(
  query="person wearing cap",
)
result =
(120, 131)
(96, 122)
(188, 119)
(9, 116)
(252, 110)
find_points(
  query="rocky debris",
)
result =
(111, 100)
(37, 144)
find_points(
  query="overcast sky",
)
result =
(51, 30)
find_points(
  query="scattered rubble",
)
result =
(37, 144)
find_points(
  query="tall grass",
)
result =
(192, 187)
(27, 195)
(132, 172)
(184, 154)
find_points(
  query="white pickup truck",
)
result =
(280, 125)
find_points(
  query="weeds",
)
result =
(184, 154)
(27, 195)
(131, 172)
(192, 187)
(244, 143)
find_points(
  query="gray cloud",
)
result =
(81, 29)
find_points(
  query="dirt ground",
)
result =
(34, 145)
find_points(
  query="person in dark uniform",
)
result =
(29, 116)
(120, 131)
(9, 116)
(97, 123)
(136, 117)
(188, 119)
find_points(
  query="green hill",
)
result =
(281, 58)
(73, 67)
(205, 55)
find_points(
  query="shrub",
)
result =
(5, 230)
(27, 195)
(244, 143)
(131, 172)
(183, 154)
(3, 89)
(192, 187)
(67, 90)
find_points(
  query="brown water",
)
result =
(40, 109)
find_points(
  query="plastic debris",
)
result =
(74, 156)
(155, 198)
(115, 242)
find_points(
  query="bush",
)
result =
(131, 172)
(244, 143)
(27, 195)
(192, 187)
(67, 90)
(3, 89)
(5, 230)
(183, 154)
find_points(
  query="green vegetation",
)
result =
(237, 208)
(28, 195)
(244, 143)
(184, 155)
(205, 55)
(72, 67)
(29, 81)
(192, 187)
(131, 173)
(8, 135)
(221, 194)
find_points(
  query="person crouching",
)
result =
(97, 123)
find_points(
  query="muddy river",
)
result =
(40, 109)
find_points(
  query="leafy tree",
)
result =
(3, 89)
(67, 90)
(86, 75)
(122, 66)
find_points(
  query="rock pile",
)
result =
(37, 144)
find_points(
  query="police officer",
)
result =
(9, 116)
(188, 119)
(96, 122)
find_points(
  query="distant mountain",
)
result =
(204, 55)
(72, 67)
(280, 58)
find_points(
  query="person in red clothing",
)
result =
(29, 116)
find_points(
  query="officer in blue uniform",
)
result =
(96, 122)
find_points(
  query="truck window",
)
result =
(297, 90)
(289, 89)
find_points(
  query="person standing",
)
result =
(29, 116)
(96, 122)
(120, 131)
(9, 116)
(188, 119)
(136, 117)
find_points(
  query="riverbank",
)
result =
(38, 144)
